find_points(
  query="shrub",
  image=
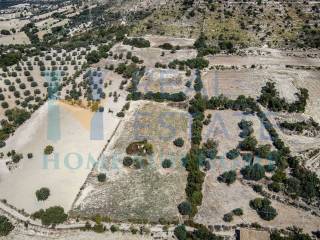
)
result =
(263, 151)
(16, 157)
(274, 186)
(257, 188)
(166, 46)
(237, 212)
(102, 177)
(4, 105)
(114, 228)
(48, 150)
(232, 154)
(228, 217)
(228, 177)
(98, 228)
(127, 161)
(29, 155)
(210, 148)
(137, 42)
(120, 114)
(51, 216)
(248, 157)
(243, 124)
(185, 208)
(166, 163)
(140, 148)
(5, 226)
(279, 176)
(254, 172)
(178, 142)
(248, 144)
(263, 208)
(42, 194)
(180, 232)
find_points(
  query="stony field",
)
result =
(151, 192)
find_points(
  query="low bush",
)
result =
(101, 177)
(178, 142)
(166, 163)
(233, 154)
(48, 150)
(228, 177)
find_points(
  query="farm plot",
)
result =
(220, 199)
(25, 84)
(16, 24)
(151, 55)
(17, 38)
(79, 235)
(165, 80)
(232, 83)
(224, 128)
(262, 60)
(311, 81)
(150, 192)
(156, 41)
(70, 131)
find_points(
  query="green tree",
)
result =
(166, 163)
(248, 144)
(42, 194)
(5, 226)
(180, 232)
(185, 208)
(178, 142)
(254, 172)
(51, 216)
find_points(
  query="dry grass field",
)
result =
(17, 38)
(152, 55)
(165, 80)
(220, 199)
(248, 82)
(151, 192)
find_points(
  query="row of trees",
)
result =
(193, 63)
(270, 98)
(137, 42)
(299, 127)
(158, 96)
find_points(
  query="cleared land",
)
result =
(165, 80)
(224, 129)
(262, 60)
(152, 55)
(17, 38)
(151, 192)
(220, 199)
(68, 130)
(248, 82)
